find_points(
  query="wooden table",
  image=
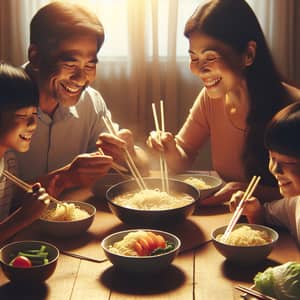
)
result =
(199, 272)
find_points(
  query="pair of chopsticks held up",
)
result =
(25, 186)
(128, 158)
(239, 209)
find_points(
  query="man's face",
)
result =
(69, 70)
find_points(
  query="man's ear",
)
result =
(33, 56)
(250, 53)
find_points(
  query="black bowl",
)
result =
(151, 218)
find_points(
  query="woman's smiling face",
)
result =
(219, 67)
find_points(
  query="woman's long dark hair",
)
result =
(234, 23)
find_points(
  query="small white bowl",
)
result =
(214, 182)
(68, 229)
(247, 255)
(141, 264)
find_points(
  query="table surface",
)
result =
(198, 272)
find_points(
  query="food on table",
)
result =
(65, 212)
(198, 183)
(21, 262)
(153, 200)
(281, 282)
(246, 236)
(29, 258)
(141, 243)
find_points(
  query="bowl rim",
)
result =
(31, 241)
(124, 232)
(262, 227)
(219, 184)
(194, 202)
(73, 221)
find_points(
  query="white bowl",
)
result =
(141, 264)
(245, 254)
(214, 182)
(68, 229)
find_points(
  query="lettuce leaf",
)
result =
(281, 282)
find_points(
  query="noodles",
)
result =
(246, 236)
(197, 183)
(153, 200)
(126, 245)
(65, 212)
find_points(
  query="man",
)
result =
(64, 41)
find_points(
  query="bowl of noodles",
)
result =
(152, 206)
(68, 219)
(247, 243)
(206, 184)
(141, 251)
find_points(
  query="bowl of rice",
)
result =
(68, 219)
(247, 243)
(152, 206)
(206, 184)
(141, 251)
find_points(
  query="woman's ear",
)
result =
(250, 53)
(33, 57)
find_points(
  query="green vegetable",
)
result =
(169, 247)
(36, 256)
(281, 282)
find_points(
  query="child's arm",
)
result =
(32, 207)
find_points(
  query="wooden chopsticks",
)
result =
(129, 160)
(24, 185)
(118, 168)
(239, 209)
(254, 293)
(162, 159)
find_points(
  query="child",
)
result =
(282, 141)
(18, 119)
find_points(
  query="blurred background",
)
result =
(145, 54)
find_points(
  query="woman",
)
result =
(242, 91)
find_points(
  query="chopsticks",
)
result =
(129, 160)
(239, 209)
(25, 186)
(118, 168)
(254, 293)
(83, 257)
(162, 159)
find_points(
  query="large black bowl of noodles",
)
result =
(153, 206)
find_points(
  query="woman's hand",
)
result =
(224, 194)
(176, 157)
(164, 143)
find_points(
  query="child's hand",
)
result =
(35, 202)
(252, 208)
